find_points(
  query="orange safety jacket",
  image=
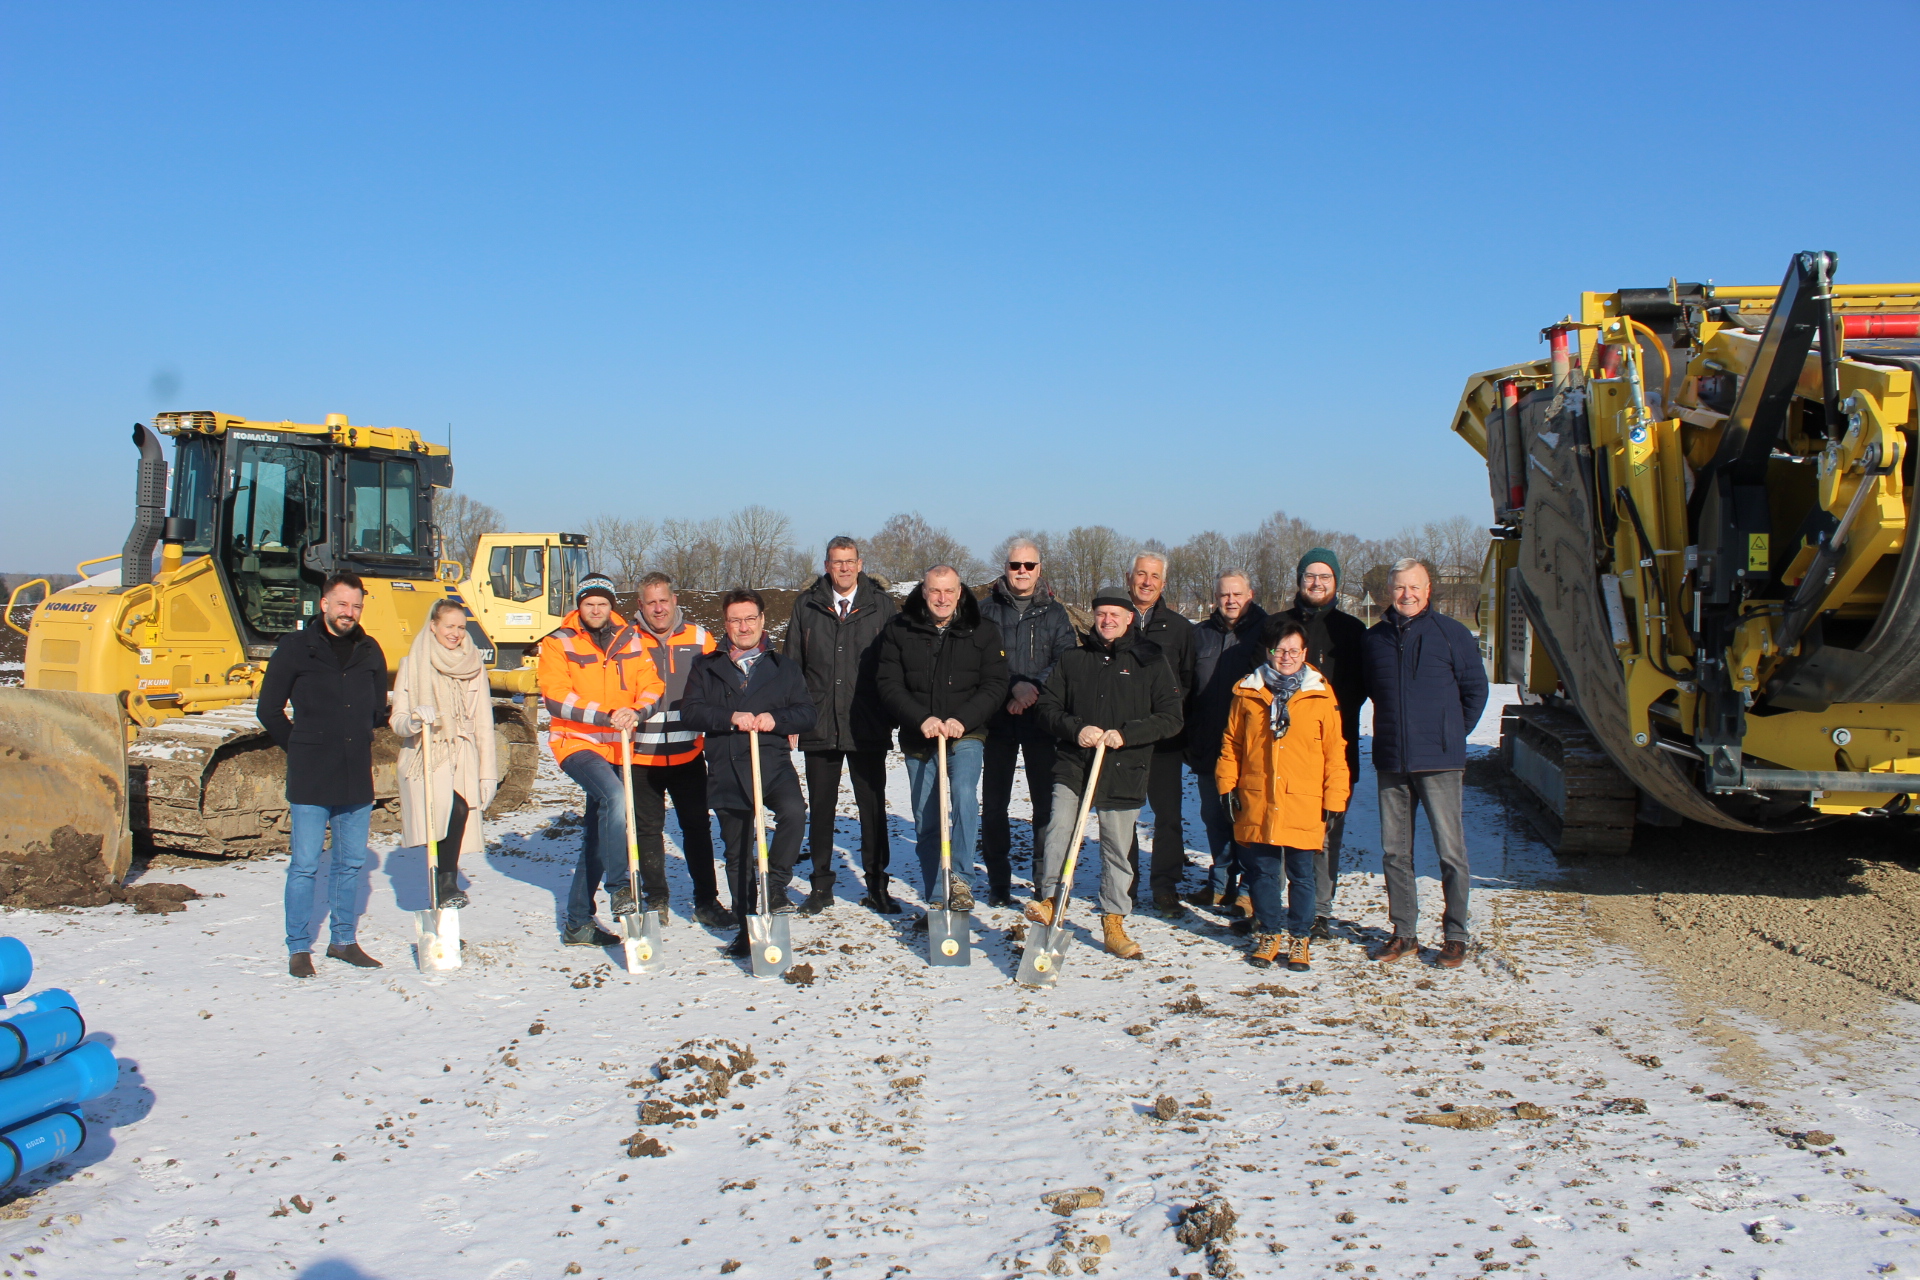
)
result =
(662, 739)
(582, 687)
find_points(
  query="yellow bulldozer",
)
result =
(136, 720)
(520, 588)
(1702, 579)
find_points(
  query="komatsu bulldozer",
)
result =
(1701, 578)
(137, 716)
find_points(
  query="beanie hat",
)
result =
(595, 584)
(1319, 555)
(1115, 597)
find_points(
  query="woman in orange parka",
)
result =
(1282, 770)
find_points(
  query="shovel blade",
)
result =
(640, 941)
(1041, 959)
(769, 945)
(949, 937)
(437, 939)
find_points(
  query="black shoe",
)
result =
(1320, 932)
(300, 964)
(738, 947)
(881, 902)
(589, 934)
(659, 907)
(353, 955)
(1243, 926)
(711, 914)
(454, 900)
(622, 902)
(446, 883)
(1001, 898)
(1166, 904)
(818, 902)
(920, 924)
(781, 906)
(959, 896)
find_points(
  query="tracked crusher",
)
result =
(137, 719)
(1701, 578)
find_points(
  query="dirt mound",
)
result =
(703, 607)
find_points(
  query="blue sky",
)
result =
(1165, 267)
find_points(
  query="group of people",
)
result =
(1263, 709)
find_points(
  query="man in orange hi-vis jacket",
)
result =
(596, 679)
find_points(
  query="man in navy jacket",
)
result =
(1428, 686)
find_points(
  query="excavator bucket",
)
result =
(63, 797)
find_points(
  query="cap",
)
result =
(1115, 597)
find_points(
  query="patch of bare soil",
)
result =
(703, 607)
(1815, 932)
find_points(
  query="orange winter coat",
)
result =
(1285, 784)
(582, 687)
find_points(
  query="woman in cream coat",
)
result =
(442, 690)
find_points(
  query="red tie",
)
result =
(843, 611)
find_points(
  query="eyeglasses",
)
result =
(1317, 577)
(1013, 565)
(841, 564)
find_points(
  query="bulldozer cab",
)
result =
(522, 586)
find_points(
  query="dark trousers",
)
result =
(1270, 868)
(996, 793)
(867, 770)
(1326, 863)
(449, 850)
(783, 799)
(1165, 786)
(686, 784)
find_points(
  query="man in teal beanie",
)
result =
(1334, 640)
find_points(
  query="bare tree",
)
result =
(907, 546)
(1193, 566)
(462, 521)
(1088, 558)
(756, 541)
(620, 547)
(691, 553)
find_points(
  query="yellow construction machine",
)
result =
(1702, 580)
(138, 705)
(521, 587)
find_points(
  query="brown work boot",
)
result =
(353, 955)
(1040, 911)
(1266, 950)
(1453, 953)
(1397, 948)
(1299, 960)
(1117, 940)
(300, 964)
(1242, 907)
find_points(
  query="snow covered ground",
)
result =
(897, 1120)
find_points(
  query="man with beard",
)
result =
(1334, 642)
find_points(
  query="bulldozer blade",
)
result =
(1045, 953)
(949, 937)
(769, 945)
(63, 792)
(640, 941)
(436, 946)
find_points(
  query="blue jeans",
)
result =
(603, 839)
(1226, 872)
(963, 787)
(310, 824)
(1265, 865)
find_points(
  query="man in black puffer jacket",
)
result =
(942, 675)
(1117, 689)
(835, 638)
(1162, 624)
(1335, 640)
(741, 688)
(1226, 647)
(1037, 632)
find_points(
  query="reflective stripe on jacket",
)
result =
(582, 687)
(662, 739)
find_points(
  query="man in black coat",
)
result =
(1037, 632)
(835, 638)
(742, 688)
(1173, 636)
(335, 677)
(942, 675)
(1226, 647)
(1334, 642)
(1115, 689)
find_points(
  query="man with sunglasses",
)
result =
(1036, 631)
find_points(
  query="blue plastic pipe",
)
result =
(87, 1072)
(38, 1143)
(16, 966)
(47, 1025)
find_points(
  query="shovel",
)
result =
(436, 945)
(949, 933)
(769, 940)
(1046, 947)
(639, 930)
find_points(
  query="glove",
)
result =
(1230, 801)
(488, 787)
(425, 716)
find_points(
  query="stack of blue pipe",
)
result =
(45, 1072)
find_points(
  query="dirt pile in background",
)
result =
(703, 607)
